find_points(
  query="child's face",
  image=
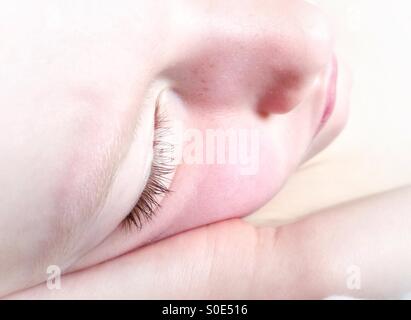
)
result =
(79, 86)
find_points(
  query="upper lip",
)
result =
(331, 94)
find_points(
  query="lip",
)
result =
(331, 95)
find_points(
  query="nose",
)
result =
(263, 54)
(298, 56)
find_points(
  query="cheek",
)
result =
(205, 193)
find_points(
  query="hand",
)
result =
(361, 249)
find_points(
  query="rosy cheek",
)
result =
(206, 193)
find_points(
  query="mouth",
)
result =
(331, 95)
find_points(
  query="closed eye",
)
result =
(159, 179)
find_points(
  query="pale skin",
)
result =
(78, 97)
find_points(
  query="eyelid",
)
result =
(158, 174)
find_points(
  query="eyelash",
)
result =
(156, 186)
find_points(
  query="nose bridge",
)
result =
(269, 59)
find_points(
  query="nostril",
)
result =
(286, 93)
(303, 56)
(308, 54)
